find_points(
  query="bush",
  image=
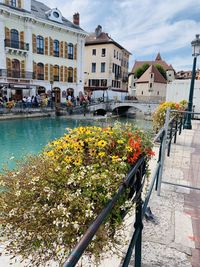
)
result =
(160, 113)
(50, 200)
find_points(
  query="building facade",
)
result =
(170, 72)
(105, 66)
(40, 51)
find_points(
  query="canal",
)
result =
(22, 137)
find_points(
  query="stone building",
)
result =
(40, 50)
(170, 72)
(105, 66)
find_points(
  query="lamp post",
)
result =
(195, 52)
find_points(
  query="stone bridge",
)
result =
(123, 107)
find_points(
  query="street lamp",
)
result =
(195, 52)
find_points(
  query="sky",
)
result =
(143, 27)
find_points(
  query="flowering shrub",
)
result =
(10, 104)
(160, 113)
(52, 198)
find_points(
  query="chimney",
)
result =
(76, 19)
(98, 31)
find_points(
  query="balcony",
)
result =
(15, 74)
(40, 76)
(16, 46)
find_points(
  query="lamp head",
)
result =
(196, 46)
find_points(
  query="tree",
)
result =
(141, 70)
(162, 71)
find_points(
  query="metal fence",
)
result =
(181, 170)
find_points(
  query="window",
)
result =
(114, 53)
(150, 85)
(15, 68)
(93, 67)
(103, 82)
(56, 73)
(13, 3)
(103, 52)
(117, 54)
(40, 44)
(56, 14)
(103, 66)
(14, 38)
(56, 48)
(158, 93)
(70, 75)
(142, 92)
(70, 51)
(40, 71)
(94, 52)
(151, 75)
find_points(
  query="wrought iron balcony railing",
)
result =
(16, 44)
(56, 78)
(5, 73)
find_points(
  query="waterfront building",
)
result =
(105, 66)
(184, 75)
(132, 84)
(41, 51)
(151, 86)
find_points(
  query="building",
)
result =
(179, 90)
(170, 72)
(40, 51)
(105, 66)
(184, 75)
(151, 86)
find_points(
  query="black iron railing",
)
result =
(56, 78)
(16, 44)
(5, 73)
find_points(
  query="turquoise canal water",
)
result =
(19, 138)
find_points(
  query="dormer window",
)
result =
(55, 15)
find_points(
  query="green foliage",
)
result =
(161, 70)
(141, 70)
(52, 198)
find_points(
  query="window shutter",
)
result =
(19, 4)
(34, 69)
(61, 73)
(46, 46)
(66, 50)
(51, 72)
(34, 43)
(61, 49)
(51, 46)
(8, 63)
(7, 33)
(7, 2)
(22, 40)
(75, 51)
(46, 72)
(66, 74)
(23, 68)
(75, 75)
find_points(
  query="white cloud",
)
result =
(144, 27)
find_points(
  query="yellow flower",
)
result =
(115, 158)
(129, 149)
(120, 141)
(68, 159)
(101, 154)
(102, 143)
(78, 162)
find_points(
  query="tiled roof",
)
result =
(103, 38)
(39, 9)
(158, 78)
(157, 61)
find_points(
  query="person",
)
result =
(5, 99)
(29, 104)
(24, 101)
(77, 100)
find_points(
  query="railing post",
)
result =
(159, 156)
(163, 151)
(181, 124)
(138, 222)
(170, 141)
(176, 129)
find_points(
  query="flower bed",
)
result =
(52, 198)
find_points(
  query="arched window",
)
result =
(70, 75)
(15, 68)
(40, 44)
(70, 51)
(14, 38)
(56, 73)
(40, 71)
(56, 48)
(13, 3)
